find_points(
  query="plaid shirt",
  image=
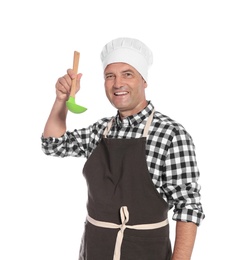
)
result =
(170, 155)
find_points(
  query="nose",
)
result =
(118, 82)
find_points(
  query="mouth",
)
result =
(122, 93)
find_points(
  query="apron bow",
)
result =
(124, 215)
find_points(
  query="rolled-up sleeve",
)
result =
(77, 143)
(182, 175)
(70, 144)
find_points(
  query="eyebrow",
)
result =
(124, 71)
(128, 70)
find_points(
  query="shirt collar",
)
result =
(136, 119)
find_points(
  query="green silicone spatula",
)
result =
(70, 103)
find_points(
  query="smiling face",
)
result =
(125, 88)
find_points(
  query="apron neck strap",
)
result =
(148, 123)
(146, 129)
(108, 127)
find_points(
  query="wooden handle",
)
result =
(75, 68)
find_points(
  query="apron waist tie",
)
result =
(124, 213)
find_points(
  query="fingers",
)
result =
(63, 85)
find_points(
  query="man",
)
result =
(139, 165)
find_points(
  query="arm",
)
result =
(183, 192)
(56, 123)
(184, 241)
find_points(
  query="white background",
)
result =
(43, 199)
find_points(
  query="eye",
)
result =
(109, 76)
(127, 74)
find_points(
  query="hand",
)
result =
(63, 85)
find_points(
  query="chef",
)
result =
(140, 164)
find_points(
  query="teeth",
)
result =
(120, 93)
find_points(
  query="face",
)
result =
(125, 88)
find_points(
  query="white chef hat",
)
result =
(130, 51)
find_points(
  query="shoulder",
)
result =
(168, 125)
(160, 118)
(100, 125)
(102, 122)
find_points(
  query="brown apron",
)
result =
(127, 217)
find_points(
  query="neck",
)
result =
(126, 113)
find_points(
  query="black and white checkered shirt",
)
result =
(170, 156)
